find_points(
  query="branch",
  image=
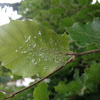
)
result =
(88, 59)
(74, 55)
(84, 53)
(59, 68)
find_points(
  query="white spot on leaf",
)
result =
(34, 37)
(16, 50)
(33, 60)
(34, 46)
(39, 33)
(28, 39)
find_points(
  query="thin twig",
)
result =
(74, 55)
(87, 59)
(84, 53)
(14, 93)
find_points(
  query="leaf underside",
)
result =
(27, 48)
(86, 34)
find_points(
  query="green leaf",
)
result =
(41, 92)
(86, 34)
(55, 2)
(65, 3)
(83, 15)
(57, 11)
(27, 48)
(2, 95)
(84, 2)
(71, 88)
(68, 21)
(93, 76)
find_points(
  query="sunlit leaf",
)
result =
(27, 48)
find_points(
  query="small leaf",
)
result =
(27, 48)
(71, 88)
(83, 15)
(57, 11)
(66, 22)
(41, 92)
(86, 34)
(93, 74)
(84, 2)
(55, 2)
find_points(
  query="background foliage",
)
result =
(79, 80)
